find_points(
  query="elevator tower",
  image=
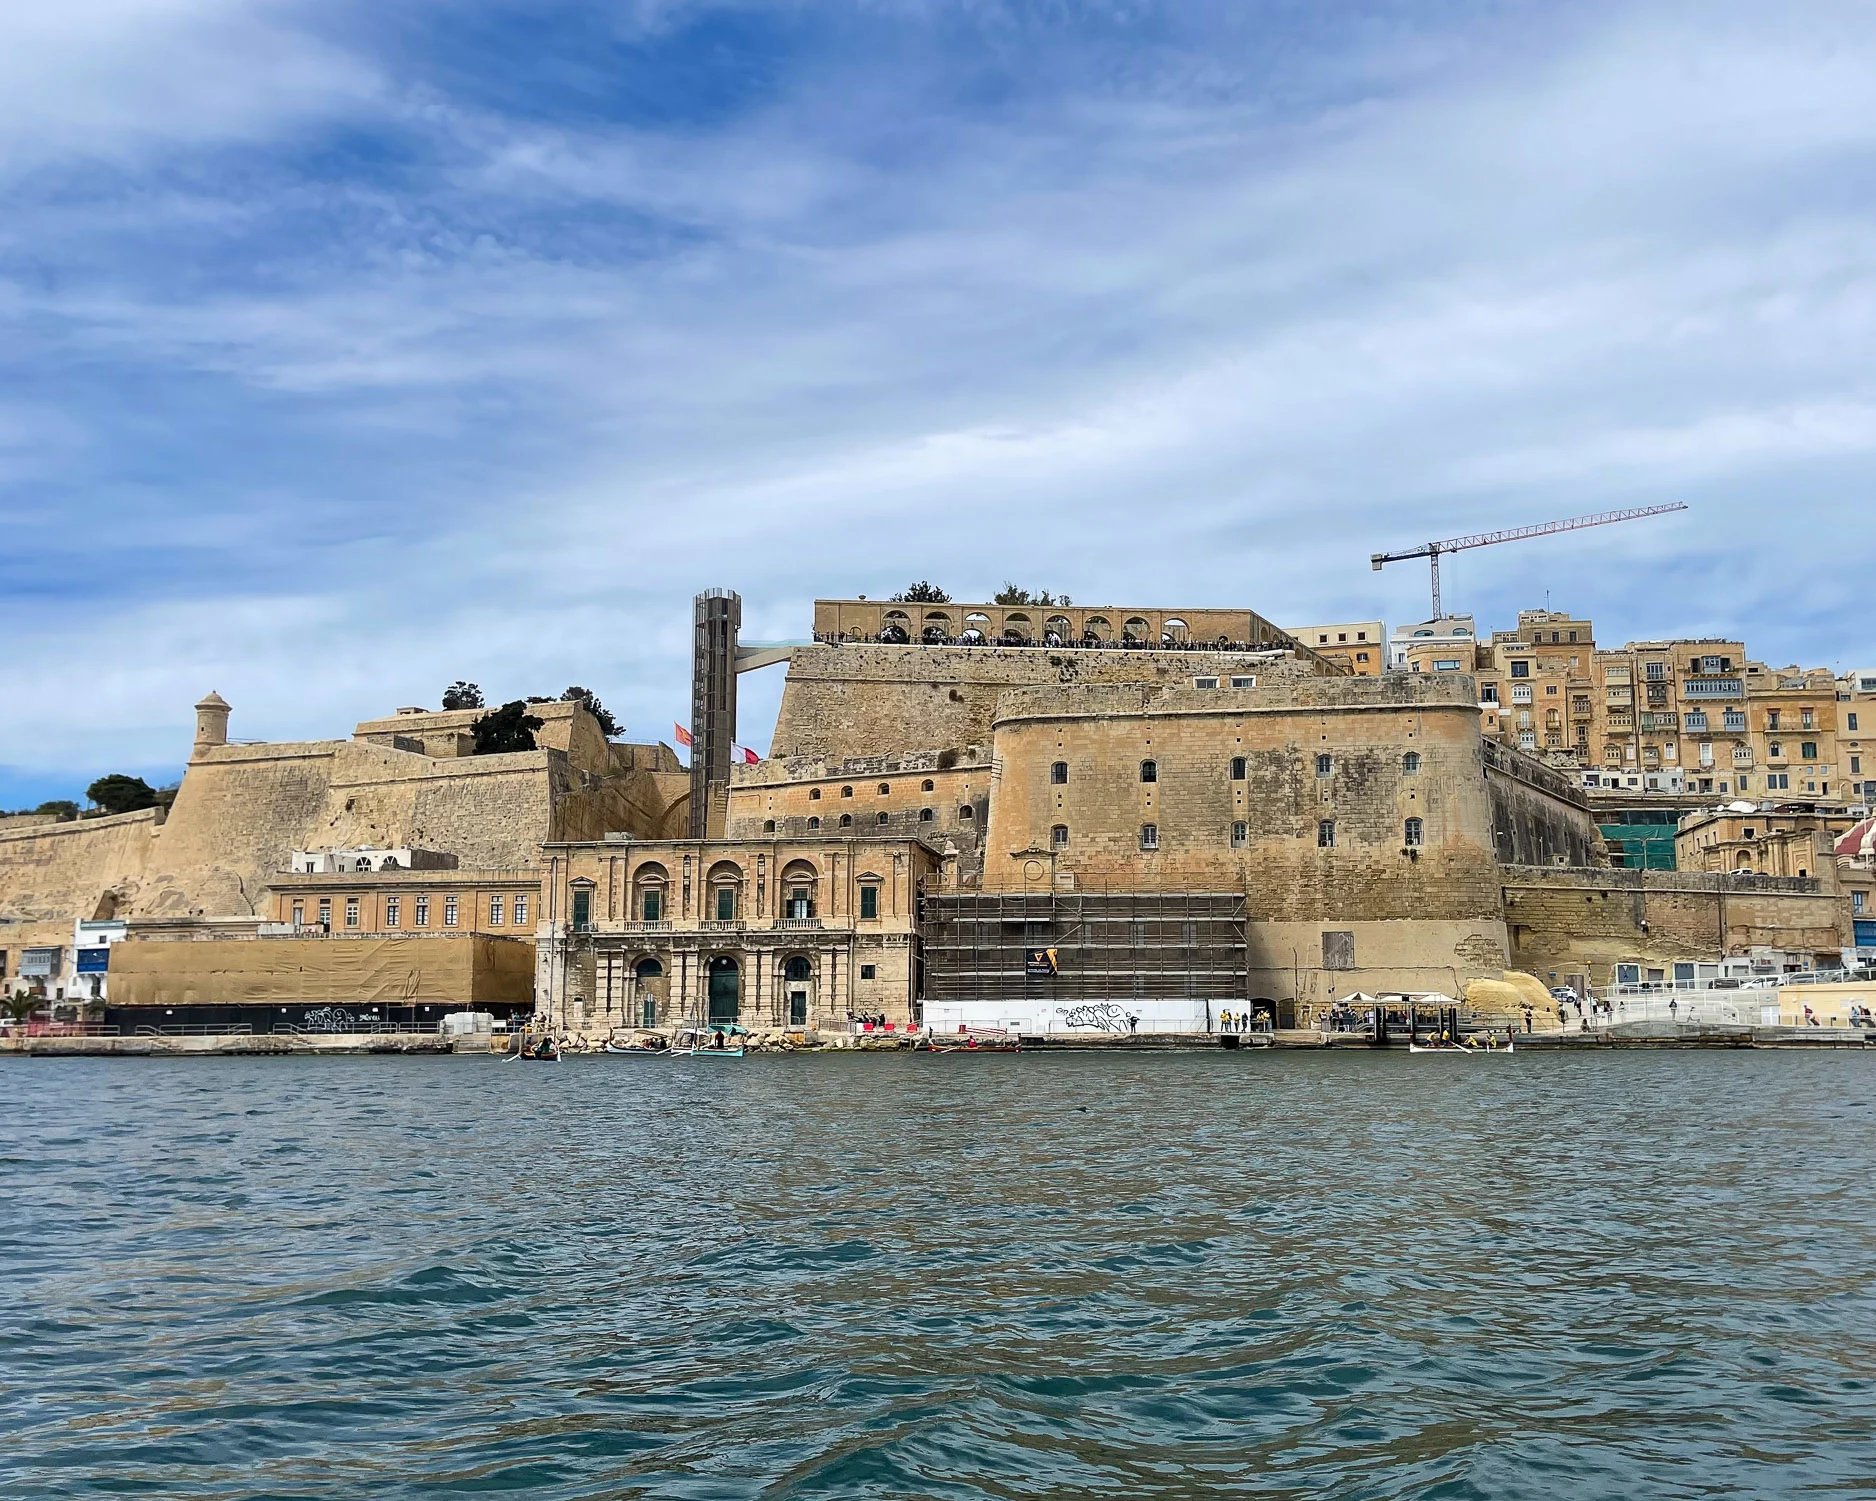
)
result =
(717, 615)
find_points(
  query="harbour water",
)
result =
(1174, 1275)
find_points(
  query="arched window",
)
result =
(1238, 768)
(813, 824)
(1149, 771)
(1058, 837)
(768, 826)
(885, 788)
(846, 792)
(799, 879)
(1325, 834)
(846, 820)
(884, 816)
(648, 969)
(1058, 773)
(798, 969)
(814, 794)
(927, 785)
(1415, 833)
(1325, 765)
(726, 891)
(648, 887)
(967, 813)
(925, 815)
(1149, 836)
(1410, 763)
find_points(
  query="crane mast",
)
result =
(1431, 551)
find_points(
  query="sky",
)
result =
(348, 349)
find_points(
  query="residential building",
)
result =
(1540, 681)
(1670, 716)
(1792, 716)
(1449, 644)
(1360, 646)
(1856, 735)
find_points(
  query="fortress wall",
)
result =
(870, 700)
(1568, 922)
(53, 874)
(1367, 726)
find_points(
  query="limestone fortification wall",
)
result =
(873, 699)
(1584, 922)
(54, 874)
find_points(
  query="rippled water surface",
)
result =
(1204, 1274)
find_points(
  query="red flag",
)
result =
(747, 756)
(683, 735)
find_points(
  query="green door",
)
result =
(725, 989)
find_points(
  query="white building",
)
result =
(366, 860)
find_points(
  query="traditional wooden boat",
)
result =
(631, 1051)
(718, 1040)
(544, 1051)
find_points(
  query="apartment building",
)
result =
(1539, 677)
(1856, 735)
(1360, 645)
(1672, 714)
(1792, 716)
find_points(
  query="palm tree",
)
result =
(20, 1007)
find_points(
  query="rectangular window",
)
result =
(648, 1012)
(1853, 719)
(1657, 671)
(1239, 765)
(869, 901)
(1415, 833)
(393, 911)
(1252, 683)
(1058, 837)
(1205, 682)
(1856, 766)
(582, 911)
(1807, 750)
(652, 906)
(869, 971)
(449, 910)
(1488, 693)
(1325, 834)
(325, 912)
(1520, 693)
(726, 904)
(521, 909)
(299, 914)
(1806, 720)
(496, 906)
(1520, 669)
(423, 911)
(1149, 836)
(1856, 902)
(1446, 664)
(1240, 835)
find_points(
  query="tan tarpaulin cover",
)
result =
(322, 971)
(1508, 997)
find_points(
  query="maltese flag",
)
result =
(744, 754)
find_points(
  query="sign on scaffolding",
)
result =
(1040, 964)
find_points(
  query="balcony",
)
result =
(797, 924)
(645, 927)
(1713, 688)
(722, 925)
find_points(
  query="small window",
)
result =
(813, 824)
(846, 820)
(299, 914)
(449, 909)
(1325, 834)
(1410, 764)
(884, 816)
(1149, 836)
(928, 785)
(768, 826)
(885, 789)
(967, 813)
(351, 912)
(325, 912)
(869, 971)
(1239, 765)
(1520, 669)
(846, 792)
(423, 912)
(1808, 750)
(1240, 835)
(1244, 682)
(497, 911)
(1852, 718)
(869, 901)
(1058, 837)
(1058, 773)
(1325, 765)
(814, 794)
(1415, 833)
(1149, 771)
(1205, 682)
(925, 815)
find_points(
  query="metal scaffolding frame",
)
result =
(1108, 946)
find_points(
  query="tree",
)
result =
(1010, 594)
(589, 700)
(63, 806)
(21, 1006)
(118, 793)
(922, 593)
(461, 695)
(509, 728)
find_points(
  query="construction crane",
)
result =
(1432, 550)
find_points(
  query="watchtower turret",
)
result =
(211, 722)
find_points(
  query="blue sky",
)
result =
(347, 349)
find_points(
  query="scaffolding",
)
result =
(1110, 946)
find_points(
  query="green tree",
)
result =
(461, 695)
(922, 593)
(1010, 594)
(63, 806)
(590, 701)
(509, 728)
(118, 793)
(20, 1008)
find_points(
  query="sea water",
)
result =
(1174, 1275)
